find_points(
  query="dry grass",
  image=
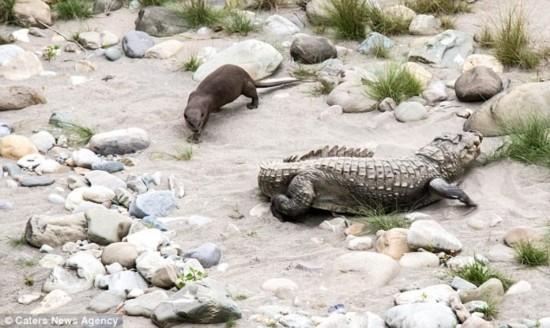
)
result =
(439, 7)
(394, 82)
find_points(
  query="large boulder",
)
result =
(160, 22)
(55, 231)
(15, 146)
(258, 58)
(477, 84)
(204, 302)
(136, 43)
(18, 64)
(448, 49)
(119, 142)
(30, 12)
(19, 97)
(106, 226)
(516, 104)
(308, 49)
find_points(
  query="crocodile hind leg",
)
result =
(446, 190)
(297, 201)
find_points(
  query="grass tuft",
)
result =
(198, 13)
(267, 4)
(304, 73)
(323, 87)
(479, 272)
(490, 312)
(147, 3)
(485, 37)
(513, 44)
(386, 24)
(528, 141)
(532, 255)
(73, 9)
(348, 18)
(191, 64)
(439, 7)
(6, 11)
(447, 22)
(51, 52)
(395, 82)
(191, 276)
(181, 154)
(17, 242)
(28, 280)
(78, 134)
(379, 51)
(239, 22)
(375, 219)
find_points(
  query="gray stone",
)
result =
(421, 315)
(153, 203)
(436, 92)
(205, 302)
(122, 253)
(136, 43)
(113, 54)
(207, 254)
(461, 284)
(410, 111)
(105, 301)
(122, 282)
(35, 181)
(106, 6)
(137, 184)
(430, 235)
(119, 142)
(144, 305)
(448, 49)
(160, 22)
(374, 40)
(108, 166)
(165, 276)
(55, 231)
(66, 280)
(490, 291)
(149, 262)
(106, 226)
(308, 49)
(5, 129)
(102, 178)
(11, 169)
(19, 97)
(478, 84)
(424, 25)
(279, 26)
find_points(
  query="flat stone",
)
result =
(102, 178)
(27, 299)
(145, 304)
(35, 181)
(420, 315)
(153, 203)
(207, 254)
(429, 234)
(461, 284)
(108, 166)
(419, 260)
(449, 49)
(105, 302)
(55, 231)
(107, 226)
(119, 142)
(431, 294)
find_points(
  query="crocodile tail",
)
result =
(274, 177)
(330, 151)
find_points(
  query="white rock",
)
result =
(359, 243)
(279, 25)
(21, 35)
(50, 261)
(419, 260)
(78, 80)
(17, 64)
(31, 161)
(421, 315)
(164, 49)
(280, 287)
(334, 225)
(519, 287)
(46, 249)
(28, 298)
(54, 299)
(410, 111)
(98, 194)
(431, 294)
(424, 25)
(430, 234)
(146, 240)
(260, 210)
(149, 262)
(56, 199)
(86, 264)
(84, 158)
(48, 166)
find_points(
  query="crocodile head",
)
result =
(453, 152)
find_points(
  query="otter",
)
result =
(219, 88)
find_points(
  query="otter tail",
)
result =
(275, 82)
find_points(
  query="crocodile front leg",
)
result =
(297, 201)
(449, 191)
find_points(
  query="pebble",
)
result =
(280, 287)
(108, 166)
(84, 158)
(462, 284)
(359, 243)
(519, 287)
(334, 225)
(46, 249)
(113, 54)
(35, 181)
(207, 254)
(431, 294)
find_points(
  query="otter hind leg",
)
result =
(249, 90)
(297, 201)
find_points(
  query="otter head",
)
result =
(453, 152)
(195, 119)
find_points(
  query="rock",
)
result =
(55, 231)
(526, 100)
(113, 54)
(84, 158)
(135, 293)
(5, 129)
(144, 305)
(98, 194)
(114, 268)
(436, 92)
(108, 166)
(387, 105)
(392, 242)
(477, 84)
(476, 306)
(30, 12)
(160, 21)
(105, 301)
(359, 243)
(350, 319)
(136, 43)
(420, 315)
(15, 146)
(476, 322)
(420, 73)
(46, 249)
(18, 64)
(165, 277)
(373, 41)
(257, 58)
(75, 199)
(476, 60)
(119, 142)
(164, 50)
(123, 253)
(207, 254)
(280, 26)
(377, 269)
(11, 169)
(351, 96)
(419, 260)
(460, 261)
(429, 234)
(101, 178)
(108, 39)
(122, 282)
(35, 181)
(490, 291)
(280, 287)
(50, 261)
(522, 235)
(87, 266)
(106, 226)
(21, 35)
(400, 11)
(66, 280)
(461, 284)
(519, 287)
(27, 299)
(448, 49)
(307, 49)
(432, 294)
(410, 111)
(459, 309)
(43, 141)
(205, 302)
(424, 25)
(145, 240)
(31, 161)
(53, 300)
(90, 40)
(153, 203)
(19, 97)
(335, 225)
(149, 262)
(106, 6)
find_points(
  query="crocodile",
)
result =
(351, 180)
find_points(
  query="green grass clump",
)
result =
(485, 37)
(78, 134)
(239, 22)
(191, 64)
(198, 13)
(395, 82)
(147, 3)
(532, 255)
(304, 73)
(479, 272)
(6, 11)
(323, 87)
(439, 7)
(376, 218)
(267, 4)
(17, 242)
(348, 18)
(51, 52)
(28, 280)
(528, 141)
(73, 9)
(181, 154)
(386, 24)
(191, 276)
(379, 51)
(490, 312)
(512, 43)
(447, 22)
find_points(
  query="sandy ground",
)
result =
(221, 177)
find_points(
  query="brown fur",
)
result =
(219, 88)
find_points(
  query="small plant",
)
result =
(147, 3)
(386, 24)
(78, 134)
(490, 311)
(513, 44)
(240, 297)
(267, 4)
(323, 87)
(51, 52)
(439, 7)
(239, 22)
(395, 82)
(485, 37)
(231, 323)
(192, 275)
(198, 13)
(29, 281)
(447, 22)
(17, 242)
(181, 154)
(6, 11)
(479, 272)
(532, 255)
(304, 73)
(191, 64)
(236, 213)
(384, 222)
(28, 262)
(348, 18)
(73, 9)
(379, 51)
